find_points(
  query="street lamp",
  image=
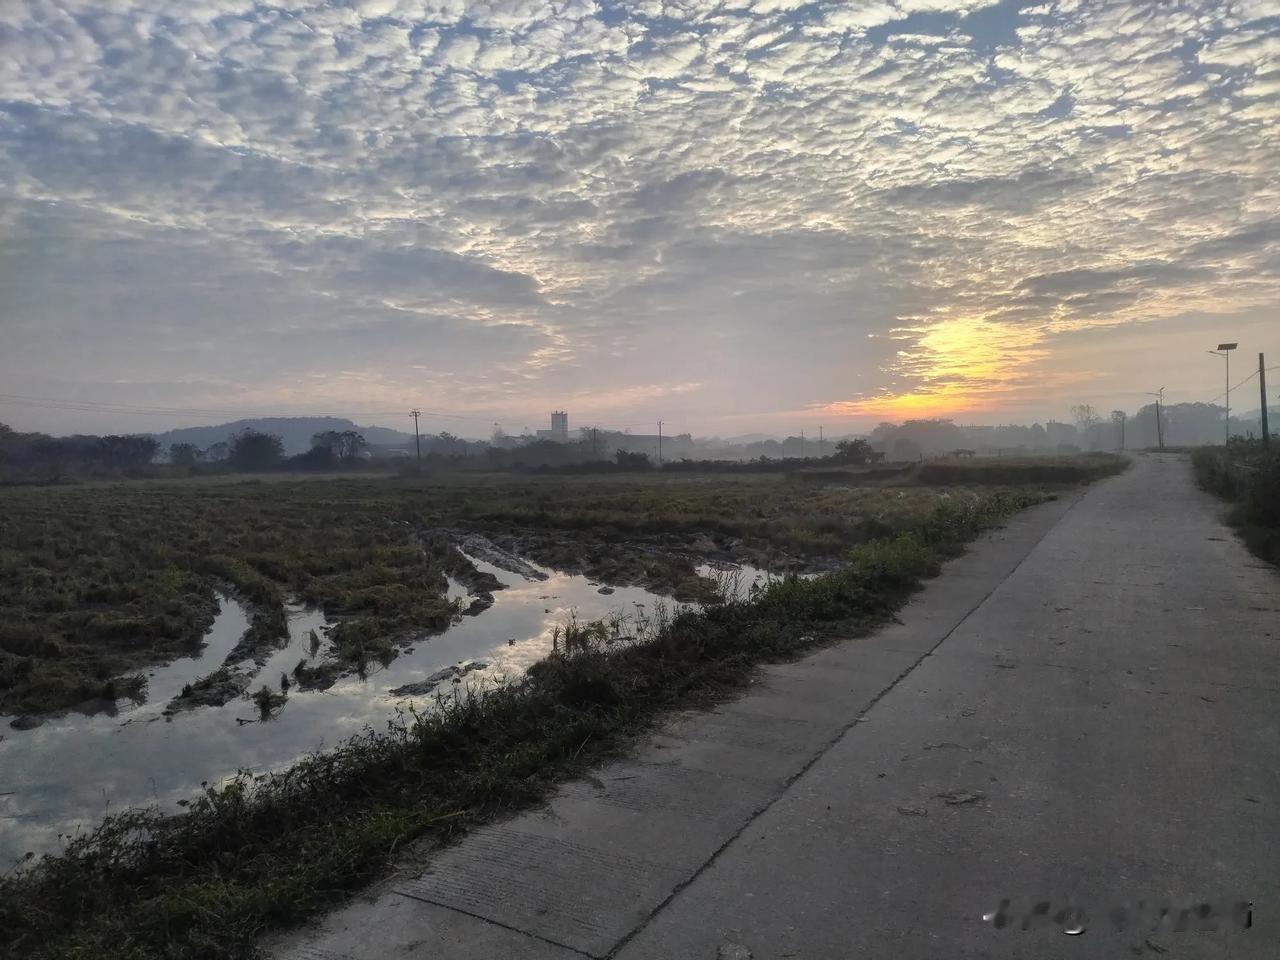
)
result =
(1224, 351)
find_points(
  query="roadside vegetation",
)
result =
(1247, 475)
(261, 853)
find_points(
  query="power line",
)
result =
(1236, 387)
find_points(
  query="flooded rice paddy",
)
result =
(63, 776)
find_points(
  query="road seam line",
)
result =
(495, 923)
(840, 734)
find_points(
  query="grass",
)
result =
(99, 581)
(1247, 475)
(262, 853)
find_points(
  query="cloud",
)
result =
(1028, 188)
(1069, 282)
(545, 195)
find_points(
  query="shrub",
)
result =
(1247, 475)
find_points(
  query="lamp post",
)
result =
(1224, 351)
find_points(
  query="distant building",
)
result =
(559, 431)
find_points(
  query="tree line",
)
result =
(43, 458)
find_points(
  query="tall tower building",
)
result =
(560, 426)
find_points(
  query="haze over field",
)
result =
(735, 217)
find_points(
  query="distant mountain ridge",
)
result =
(296, 432)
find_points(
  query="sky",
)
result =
(731, 216)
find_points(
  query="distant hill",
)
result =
(296, 432)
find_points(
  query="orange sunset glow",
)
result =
(955, 366)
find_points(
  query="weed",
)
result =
(1247, 475)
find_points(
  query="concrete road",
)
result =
(1075, 728)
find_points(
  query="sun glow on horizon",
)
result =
(960, 365)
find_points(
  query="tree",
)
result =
(883, 434)
(327, 440)
(904, 448)
(319, 457)
(129, 451)
(1118, 417)
(1085, 416)
(852, 451)
(217, 451)
(253, 450)
(1089, 424)
(184, 454)
(934, 435)
(353, 444)
(449, 442)
(344, 445)
(632, 461)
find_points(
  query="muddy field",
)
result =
(99, 583)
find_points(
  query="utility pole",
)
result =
(659, 443)
(821, 445)
(1159, 425)
(1159, 429)
(1118, 417)
(594, 445)
(801, 444)
(1262, 392)
(417, 439)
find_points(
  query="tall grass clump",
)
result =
(1247, 475)
(262, 852)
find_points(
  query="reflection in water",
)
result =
(62, 777)
(165, 683)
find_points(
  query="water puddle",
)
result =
(165, 683)
(66, 774)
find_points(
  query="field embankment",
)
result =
(1084, 468)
